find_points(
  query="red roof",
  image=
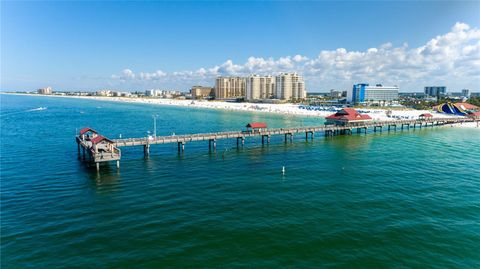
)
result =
(426, 115)
(474, 114)
(466, 106)
(348, 114)
(256, 125)
(99, 138)
(87, 129)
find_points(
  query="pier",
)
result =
(101, 149)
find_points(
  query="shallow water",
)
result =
(401, 199)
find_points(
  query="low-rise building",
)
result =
(347, 116)
(200, 92)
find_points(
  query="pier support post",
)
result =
(240, 139)
(118, 164)
(83, 151)
(268, 139)
(181, 146)
(146, 150)
(212, 142)
(98, 166)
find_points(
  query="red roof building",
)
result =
(347, 116)
(86, 130)
(99, 138)
(474, 115)
(466, 106)
(256, 126)
(425, 115)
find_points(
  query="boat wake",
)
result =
(36, 109)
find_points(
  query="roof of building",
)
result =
(87, 129)
(256, 125)
(466, 106)
(474, 114)
(426, 115)
(100, 138)
(348, 114)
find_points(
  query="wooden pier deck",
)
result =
(241, 135)
(265, 134)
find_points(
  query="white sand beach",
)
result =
(289, 109)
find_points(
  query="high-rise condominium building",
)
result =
(47, 90)
(364, 93)
(260, 87)
(230, 87)
(289, 86)
(466, 93)
(435, 90)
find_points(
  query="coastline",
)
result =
(286, 109)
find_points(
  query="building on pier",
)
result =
(256, 126)
(347, 116)
(425, 116)
(87, 134)
(97, 147)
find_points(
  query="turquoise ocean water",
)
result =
(409, 199)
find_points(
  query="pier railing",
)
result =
(279, 131)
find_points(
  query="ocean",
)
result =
(404, 199)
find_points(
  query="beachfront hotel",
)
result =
(260, 87)
(230, 87)
(289, 86)
(366, 94)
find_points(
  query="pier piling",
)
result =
(146, 150)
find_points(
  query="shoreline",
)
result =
(285, 109)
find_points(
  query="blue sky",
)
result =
(140, 45)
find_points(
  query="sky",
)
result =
(138, 45)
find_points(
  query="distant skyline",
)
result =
(174, 45)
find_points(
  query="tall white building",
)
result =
(230, 87)
(289, 86)
(260, 87)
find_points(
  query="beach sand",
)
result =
(289, 109)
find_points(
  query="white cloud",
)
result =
(452, 58)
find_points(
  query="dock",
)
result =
(101, 149)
